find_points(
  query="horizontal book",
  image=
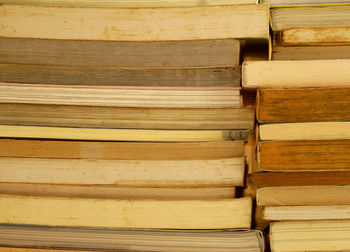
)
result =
(310, 52)
(303, 155)
(131, 240)
(127, 4)
(316, 36)
(310, 17)
(281, 3)
(118, 76)
(282, 213)
(136, 24)
(118, 192)
(303, 195)
(125, 118)
(303, 105)
(297, 236)
(120, 150)
(329, 178)
(126, 55)
(7, 131)
(111, 213)
(305, 131)
(121, 96)
(304, 73)
(138, 173)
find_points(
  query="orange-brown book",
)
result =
(303, 105)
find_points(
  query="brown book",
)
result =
(304, 155)
(125, 118)
(264, 179)
(126, 55)
(118, 76)
(303, 105)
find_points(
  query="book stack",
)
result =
(303, 154)
(122, 126)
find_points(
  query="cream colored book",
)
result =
(121, 134)
(159, 240)
(110, 213)
(119, 192)
(138, 173)
(296, 74)
(303, 195)
(310, 17)
(316, 36)
(135, 24)
(282, 213)
(127, 4)
(305, 131)
(299, 236)
(121, 96)
(297, 3)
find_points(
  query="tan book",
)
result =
(111, 213)
(121, 96)
(120, 150)
(310, 52)
(316, 36)
(119, 192)
(130, 240)
(303, 105)
(127, 4)
(125, 118)
(303, 155)
(7, 131)
(136, 24)
(284, 3)
(329, 178)
(305, 73)
(303, 195)
(118, 76)
(298, 236)
(125, 55)
(282, 213)
(305, 131)
(310, 17)
(138, 173)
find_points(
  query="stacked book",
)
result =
(123, 128)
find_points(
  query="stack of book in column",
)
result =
(303, 154)
(124, 118)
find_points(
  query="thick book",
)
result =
(310, 17)
(125, 118)
(65, 133)
(119, 192)
(112, 213)
(120, 150)
(298, 236)
(136, 24)
(303, 196)
(315, 155)
(119, 76)
(325, 178)
(305, 131)
(303, 105)
(296, 74)
(125, 55)
(122, 96)
(130, 240)
(138, 173)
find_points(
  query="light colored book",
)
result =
(138, 173)
(305, 131)
(296, 74)
(297, 3)
(303, 195)
(111, 213)
(298, 236)
(136, 24)
(130, 240)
